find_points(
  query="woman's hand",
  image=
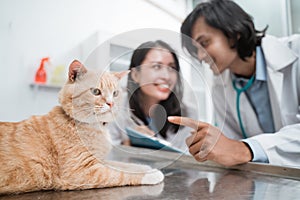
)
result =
(142, 129)
(145, 130)
(207, 142)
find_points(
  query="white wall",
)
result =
(71, 29)
(266, 12)
(32, 29)
(295, 16)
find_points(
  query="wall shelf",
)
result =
(45, 87)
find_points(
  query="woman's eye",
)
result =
(95, 91)
(116, 93)
(172, 68)
(156, 66)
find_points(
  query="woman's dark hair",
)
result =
(228, 17)
(171, 105)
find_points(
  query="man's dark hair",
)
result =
(228, 17)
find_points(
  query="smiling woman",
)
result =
(157, 75)
(154, 92)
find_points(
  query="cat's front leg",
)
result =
(110, 174)
(150, 176)
(129, 167)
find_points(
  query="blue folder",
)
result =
(141, 140)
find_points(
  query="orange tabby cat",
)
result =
(65, 149)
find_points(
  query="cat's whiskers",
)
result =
(97, 106)
(88, 119)
(81, 110)
(123, 109)
(101, 122)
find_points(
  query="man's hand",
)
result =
(207, 142)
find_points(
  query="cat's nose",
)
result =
(110, 104)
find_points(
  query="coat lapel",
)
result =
(278, 56)
(275, 92)
(248, 115)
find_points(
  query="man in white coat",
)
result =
(256, 91)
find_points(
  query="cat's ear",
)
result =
(121, 74)
(76, 69)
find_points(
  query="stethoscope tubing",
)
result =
(239, 91)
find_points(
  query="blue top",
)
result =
(258, 95)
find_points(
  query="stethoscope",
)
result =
(239, 92)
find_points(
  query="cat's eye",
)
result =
(95, 91)
(116, 93)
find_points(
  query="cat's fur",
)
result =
(65, 149)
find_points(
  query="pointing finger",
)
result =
(185, 121)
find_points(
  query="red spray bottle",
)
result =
(41, 75)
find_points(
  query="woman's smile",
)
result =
(162, 87)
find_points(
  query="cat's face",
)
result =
(92, 97)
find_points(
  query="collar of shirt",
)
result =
(260, 74)
(260, 65)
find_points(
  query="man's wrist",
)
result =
(241, 153)
(249, 149)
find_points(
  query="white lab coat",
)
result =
(283, 78)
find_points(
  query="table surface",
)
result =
(186, 178)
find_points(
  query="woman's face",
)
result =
(216, 44)
(157, 75)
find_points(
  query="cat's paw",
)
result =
(153, 177)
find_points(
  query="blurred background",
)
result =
(64, 30)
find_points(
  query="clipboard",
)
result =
(141, 140)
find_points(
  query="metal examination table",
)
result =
(186, 178)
